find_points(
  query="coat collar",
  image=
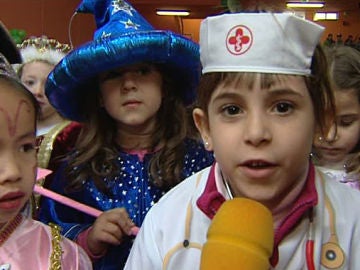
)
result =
(211, 199)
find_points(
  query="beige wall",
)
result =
(348, 23)
(47, 17)
(52, 18)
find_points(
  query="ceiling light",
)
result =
(326, 16)
(172, 12)
(305, 4)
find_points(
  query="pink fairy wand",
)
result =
(41, 173)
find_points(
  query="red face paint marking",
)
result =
(12, 124)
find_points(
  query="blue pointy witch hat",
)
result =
(123, 37)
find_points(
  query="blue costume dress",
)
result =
(130, 189)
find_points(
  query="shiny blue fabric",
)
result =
(114, 17)
(123, 38)
(131, 189)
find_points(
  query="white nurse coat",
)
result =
(175, 229)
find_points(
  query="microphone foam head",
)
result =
(241, 236)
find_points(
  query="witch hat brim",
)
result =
(67, 84)
(123, 38)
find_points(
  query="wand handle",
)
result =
(67, 201)
(74, 204)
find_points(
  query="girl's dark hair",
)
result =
(318, 84)
(344, 63)
(97, 151)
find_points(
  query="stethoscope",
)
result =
(332, 255)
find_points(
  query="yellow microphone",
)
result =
(241, 236)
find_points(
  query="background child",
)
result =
(40, 55)
(335, 153)
(262, 96)
(129, 87)
(20, 235)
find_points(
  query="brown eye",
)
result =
(109, 76)
(29, 82)
(283, 107)
(231, 110)
(28, 147)
(144, 70)
(346, 121)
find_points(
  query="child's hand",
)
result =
(109, 228)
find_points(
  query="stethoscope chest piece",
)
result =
(332, 256)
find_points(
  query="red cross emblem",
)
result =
(239, 40)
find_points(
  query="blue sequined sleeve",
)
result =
(71, 221)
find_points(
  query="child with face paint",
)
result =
(24, 242)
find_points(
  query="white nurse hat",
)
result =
(277, 43)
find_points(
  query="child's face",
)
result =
(132, 96)
(33, 76)
(261, 137)
(331, 149)
(17, 151)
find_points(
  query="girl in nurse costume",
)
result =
(262, 97)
